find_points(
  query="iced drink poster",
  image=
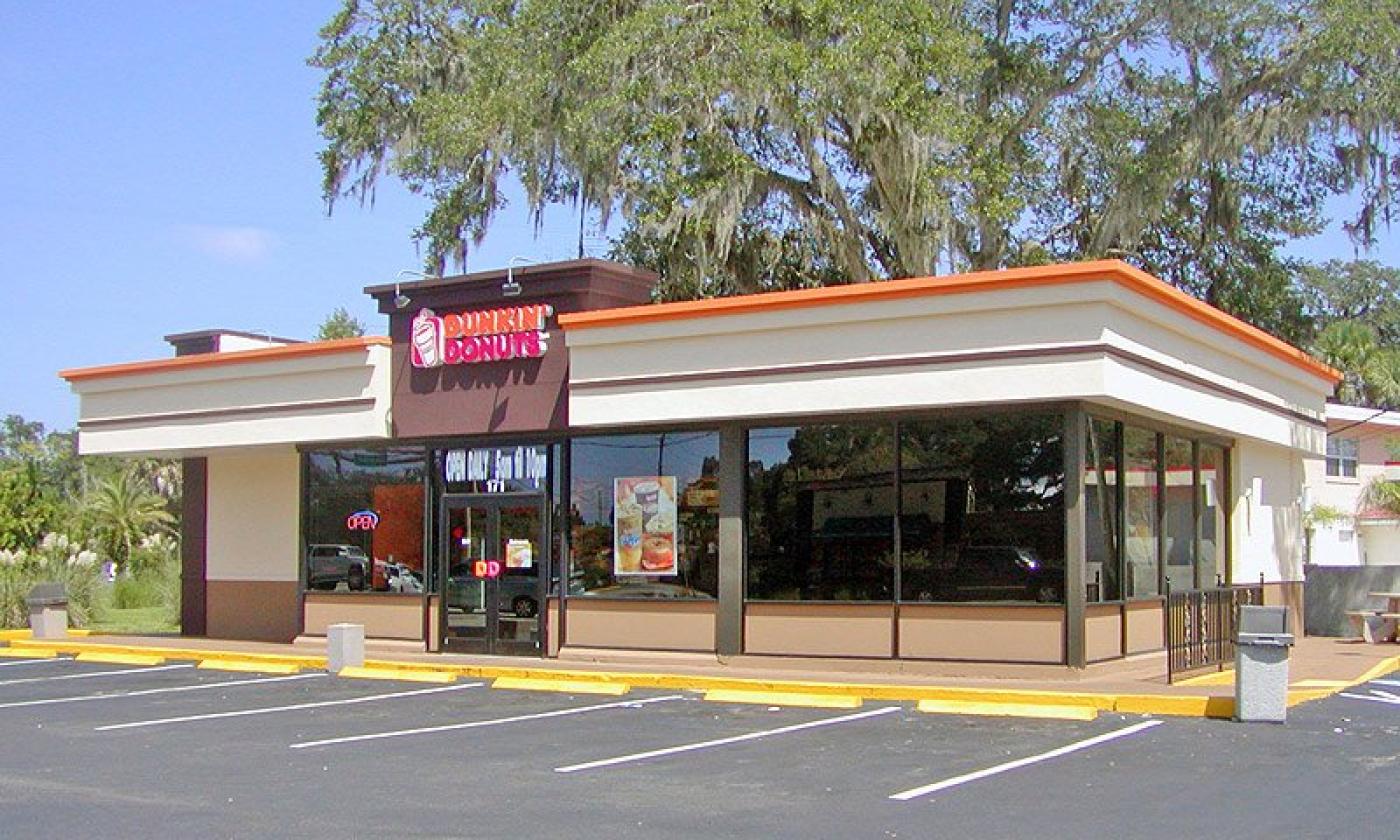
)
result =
(644, 532)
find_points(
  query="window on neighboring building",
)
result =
(1346, 535)
(1341, 457)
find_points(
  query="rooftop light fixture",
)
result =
(510, 288)
(401, 300)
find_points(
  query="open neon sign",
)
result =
(362, 520)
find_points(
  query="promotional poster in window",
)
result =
(644, 536)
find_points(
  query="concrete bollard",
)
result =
(48, 611)
(345, 646)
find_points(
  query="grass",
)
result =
(136, 621)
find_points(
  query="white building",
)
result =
(1363, 445)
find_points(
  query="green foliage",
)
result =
(1323, 516)
(1363, 291)
(339, 324)
(55, 559)
(28, 509)
(1371, 372)
(754, 145)
(121, 510)
(1380, 496)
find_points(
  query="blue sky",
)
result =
(158, 174)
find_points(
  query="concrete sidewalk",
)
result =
(1318, 667)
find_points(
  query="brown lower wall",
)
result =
(256, 610)
(551, 614)
(640, 625)
(981, 632)
(1103, 632)
(383, 616)
(1145, 625)
(817, 629)
(1289, 593)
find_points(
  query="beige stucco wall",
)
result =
(1267, 528)
(383, 615)
(1046, 343)
(1103, 632)
(254, 504)
(981, 632)
(817, 629)
(640, 625)
(1145, 626)
(196, 410)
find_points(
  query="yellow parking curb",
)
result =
(119, 658)
(243, 666)
(21, 653)
(365, 673)
(1320, 684)
(1165, 704)
(1226, 677)
(1021, 710)
(25, 633)
(613, 689)
(192, 654)
(784, 698)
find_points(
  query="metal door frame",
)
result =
(492, 502)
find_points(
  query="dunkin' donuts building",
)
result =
(1002, 467)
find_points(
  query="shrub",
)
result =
(56, 559)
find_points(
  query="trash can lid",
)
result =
(47, 595)
(1259, 619)
(1265, 639)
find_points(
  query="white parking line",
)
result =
(719, 742)
(267, 710)
(48, 661)
(1381, 697)
(477, 724)
(145, 692)
(91, 674)
(1022, 762)
(1391, 683)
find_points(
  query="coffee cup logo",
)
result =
(426, 346)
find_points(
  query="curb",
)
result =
(1199, 706)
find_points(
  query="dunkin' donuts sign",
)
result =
(487, 335)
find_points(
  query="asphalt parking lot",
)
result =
(101, 750)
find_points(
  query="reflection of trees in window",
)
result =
(387, 481)
(983, 509)
(821, 515)
(980, 505)
(693, 459)
(1102, 544)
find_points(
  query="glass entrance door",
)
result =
(493, 550)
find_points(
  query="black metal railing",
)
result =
(1201, 626)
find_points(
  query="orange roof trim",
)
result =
(982, 281)
(200, 360)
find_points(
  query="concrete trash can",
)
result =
(48, 611)
(1261, 664)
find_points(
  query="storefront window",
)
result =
(364, 520)
(1101, 509)
(1140, 469)
(1212, 493)
(821, 508)
(982, 516)
(644, 513)
(1178, 515)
